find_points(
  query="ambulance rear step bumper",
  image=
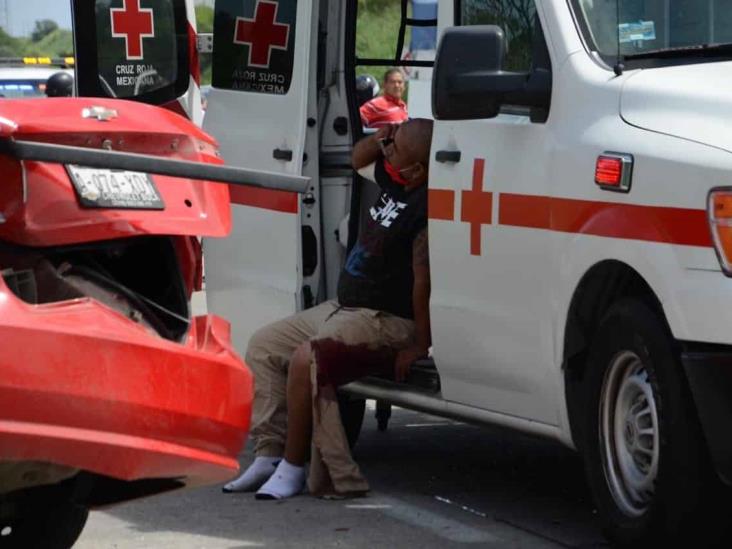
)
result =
(421, 400)
(709, 371)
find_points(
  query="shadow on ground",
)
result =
(483, 477)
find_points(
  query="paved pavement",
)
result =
(436, 483)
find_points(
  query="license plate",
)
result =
(103, 188)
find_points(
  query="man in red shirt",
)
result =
(388, 108)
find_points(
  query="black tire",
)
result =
(352, 412)
(56, 527)
(649, 473)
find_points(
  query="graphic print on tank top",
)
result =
(378, 272)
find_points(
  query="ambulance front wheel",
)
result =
(645, 456)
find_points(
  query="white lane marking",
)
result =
(463, 507)
(439, 525)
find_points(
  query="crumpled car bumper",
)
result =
(83, 386)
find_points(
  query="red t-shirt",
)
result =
(383, 110)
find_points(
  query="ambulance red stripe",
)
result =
(441, 204)
(279, 201)
(688, 227)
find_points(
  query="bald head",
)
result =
(416, 139)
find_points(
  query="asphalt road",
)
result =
(435, 483)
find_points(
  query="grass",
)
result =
(377, 31)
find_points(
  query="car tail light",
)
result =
(720, 222)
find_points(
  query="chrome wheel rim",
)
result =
(629, 434)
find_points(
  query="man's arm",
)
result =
(421, 291)
(421, 306)
(367, 151)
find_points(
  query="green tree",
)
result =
(9, 46)
(204, 23)
(204, 18)
(59, 43)
(43, 28)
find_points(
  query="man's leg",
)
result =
(268, 355)
(289, 477)
(350, 344)
(299, 407)
(358, 343)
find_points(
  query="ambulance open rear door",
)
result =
(263, 110)
(143, 50)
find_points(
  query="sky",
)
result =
(23, 14)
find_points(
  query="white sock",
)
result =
(287, 480)
(255, 475)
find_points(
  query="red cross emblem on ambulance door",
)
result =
(477, 207)
(132, 23)
(262, 33)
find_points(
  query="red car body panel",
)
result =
(81, 384)
(39, 203)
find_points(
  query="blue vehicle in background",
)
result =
(422, 46)
(27, 77)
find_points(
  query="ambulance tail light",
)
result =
(720, 222)
(614, 171)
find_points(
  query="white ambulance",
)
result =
(580, 223)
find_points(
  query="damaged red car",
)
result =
(110, 389)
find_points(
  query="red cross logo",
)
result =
(477, 207)
(133, 24)
(262, 33)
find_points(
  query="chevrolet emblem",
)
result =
(103, 114)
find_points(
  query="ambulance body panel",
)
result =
(660, 102)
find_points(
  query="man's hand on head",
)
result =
(385, 132)
(368, 150)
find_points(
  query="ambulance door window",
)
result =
(526, 45)
(133, 49)
(394, 34)
(260, 58)
(515, 17)
(389, 34)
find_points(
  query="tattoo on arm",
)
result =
(420, 250)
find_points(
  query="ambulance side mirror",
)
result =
(469, 82)
(468, 59)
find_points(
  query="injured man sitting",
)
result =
(379, 325)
